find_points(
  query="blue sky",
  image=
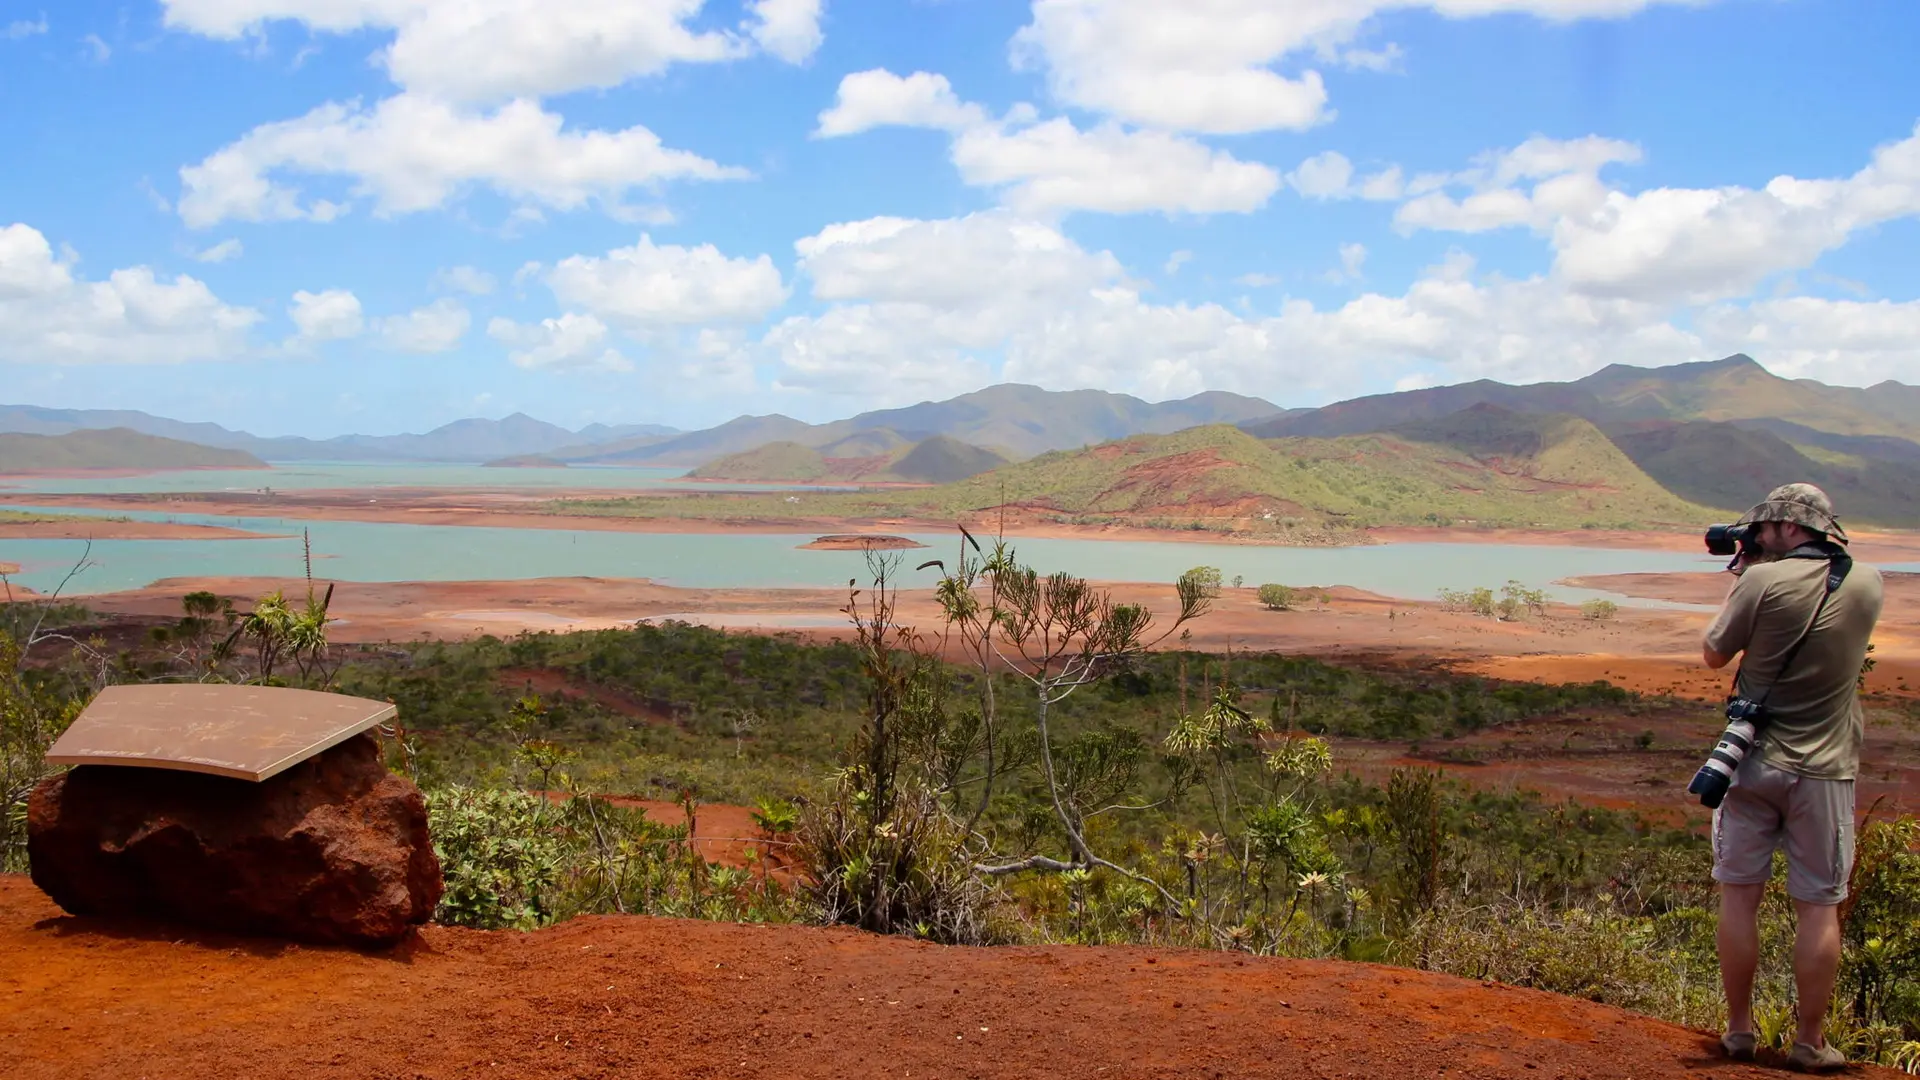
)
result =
(320, 216)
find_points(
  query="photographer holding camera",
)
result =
(1801, 613)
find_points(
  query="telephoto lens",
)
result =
(1716, 776)
(1724, 540)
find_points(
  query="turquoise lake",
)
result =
(379, 551)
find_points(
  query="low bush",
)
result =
(1599, 610)
(1276, 597)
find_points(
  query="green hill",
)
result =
(773, 462)
(937, 460)
(1485, 466)
(114, 448)
(1732, 467)
(941, 460)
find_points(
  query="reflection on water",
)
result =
(381, 551)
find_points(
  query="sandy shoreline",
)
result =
(521, 510)
(107, 529)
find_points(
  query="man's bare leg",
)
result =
(1816, 963)
(1739, 941)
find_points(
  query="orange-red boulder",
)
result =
(334, 849)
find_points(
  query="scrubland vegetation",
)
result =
(1046, 766)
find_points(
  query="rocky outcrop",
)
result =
(334, 849)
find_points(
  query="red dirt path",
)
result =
(638, 997)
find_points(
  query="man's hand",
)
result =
(1714, 660)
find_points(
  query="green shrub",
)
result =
(1599, 610)
(498, 858)
(1276, 597)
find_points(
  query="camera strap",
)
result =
(1839, 564)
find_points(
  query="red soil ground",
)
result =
(639, 997)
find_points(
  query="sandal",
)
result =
(1822, 1058)
(1739, 1045)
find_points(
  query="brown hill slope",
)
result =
(1731, 467)
(630, 996)
(114, 448)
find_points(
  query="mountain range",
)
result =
(462, 440)
(1707, 434)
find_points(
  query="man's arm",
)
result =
(1733, 627)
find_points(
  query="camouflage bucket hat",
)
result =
(1802, 504)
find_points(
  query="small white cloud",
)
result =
(1352, 258)
(1419, 380)
(1329, 175)
(879, 98)
(1175, 261)
(788, 29)
(571, 342)
(435, 328)
(221, 252)
(1257, 281)
(97, 50)
(23, 28)
(467, 279)
(326, 316)
(1323, 176)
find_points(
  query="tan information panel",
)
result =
(246, 732)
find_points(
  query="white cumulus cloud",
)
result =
(435, 328)
(330, 315)
(1047, 166)
(879, 98)
(572, 342)
(1675, 244)
(653, 285)
(409, 154)
(1217, 66)
(1053, 165)
(489, 51)
(49, 315)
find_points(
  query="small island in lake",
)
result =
(525, 461)
(858, 542)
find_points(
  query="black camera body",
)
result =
(1727, 540)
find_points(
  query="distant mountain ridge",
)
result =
(1733, 389)
(461, 440)
(1013, 419)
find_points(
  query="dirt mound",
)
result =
(623, 996)
(334, 849)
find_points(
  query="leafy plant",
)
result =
(1276, 597)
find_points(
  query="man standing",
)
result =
(1796, 788)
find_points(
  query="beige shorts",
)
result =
(1768, 808)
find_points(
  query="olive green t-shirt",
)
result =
(1815, 725)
